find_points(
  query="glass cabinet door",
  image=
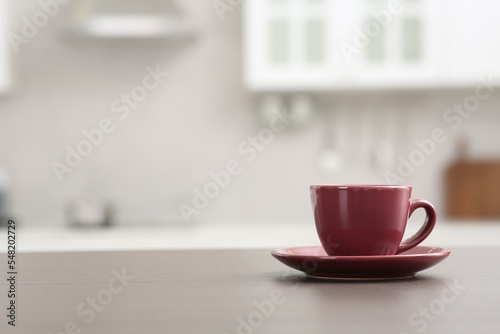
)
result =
(287, 43)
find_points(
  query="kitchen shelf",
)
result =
(132, 27)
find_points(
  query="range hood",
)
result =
(129, 19)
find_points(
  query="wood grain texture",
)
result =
(473, 189)
(210, 291)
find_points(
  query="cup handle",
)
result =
(425, 230)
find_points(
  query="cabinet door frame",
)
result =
(259, 73)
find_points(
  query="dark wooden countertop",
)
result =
(244, 291)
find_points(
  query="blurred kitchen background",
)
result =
(362, 81)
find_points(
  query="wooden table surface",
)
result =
(245, 291)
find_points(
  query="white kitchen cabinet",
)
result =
(472, 41)
(286, 41)
(350, 45)
(401, 50)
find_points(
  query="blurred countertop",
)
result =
(220, 236)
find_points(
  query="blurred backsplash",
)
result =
(160, 121)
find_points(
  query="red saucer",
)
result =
(314, 261)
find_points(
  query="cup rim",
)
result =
(358, 186)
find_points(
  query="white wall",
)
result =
(192, 125)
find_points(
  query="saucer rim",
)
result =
(347, 268)
(443, 252)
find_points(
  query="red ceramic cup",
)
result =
(367, 219)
